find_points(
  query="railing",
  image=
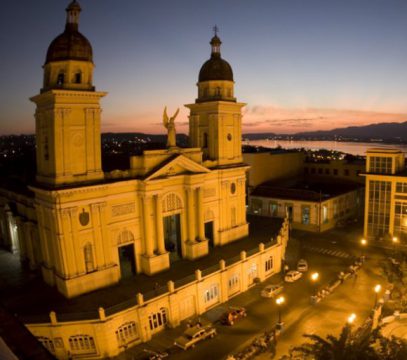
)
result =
(88, 315)
(156, 292)
(210, 270)
(184, 281)
(124, 305)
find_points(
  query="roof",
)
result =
(315, 192)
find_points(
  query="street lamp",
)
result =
(377, 289)
(315, 276)
(279, 301)
(363, 242)
(395, 240)
(351, 318)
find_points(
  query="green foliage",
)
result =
(361, 344)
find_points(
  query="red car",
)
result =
(232, 315)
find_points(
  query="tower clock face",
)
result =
(229, 137)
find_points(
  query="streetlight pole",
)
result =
(279, 302)
(377, 289)
(395, 241)
(314, 278)
(363, 243)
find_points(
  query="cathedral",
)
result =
(86, 229)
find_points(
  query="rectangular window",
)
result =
(233, 281)
(335, 171)
(269, 264)
(211, 293)
(273, 208)
(305, 217)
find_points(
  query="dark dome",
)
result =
(215, 69)
(70, 45)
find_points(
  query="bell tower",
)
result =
(215, 122)
(68, 111)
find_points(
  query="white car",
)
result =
(193, 335)
(302, 265)
(292, 276)
(271, 290)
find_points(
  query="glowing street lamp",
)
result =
(351, 318)
(279, 301)
(314, 276)
(363, 242)
(395, 240)
(377, 289)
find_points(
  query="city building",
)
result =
(386, 197)
(315, 195)
(309, 206)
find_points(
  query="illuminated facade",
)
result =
(90, 228)
(386, 196)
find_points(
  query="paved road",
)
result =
(328, 316)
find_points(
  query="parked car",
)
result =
(194, 335)
(272, 290)
(154, 355)
(292, 276)
(302, 265)
(232, 315)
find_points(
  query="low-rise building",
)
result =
(309, 206)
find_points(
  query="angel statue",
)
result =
(170, 126)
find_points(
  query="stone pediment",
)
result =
(177, 166)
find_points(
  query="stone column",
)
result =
(190, 215)
(19, 240)
(97, 232)
(159, 224)
(200, 214)
(148, 239)
(28, 226)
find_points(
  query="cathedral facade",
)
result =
(86, 229)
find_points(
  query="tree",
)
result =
(345, 347)
(361, 344)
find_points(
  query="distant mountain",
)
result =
(384, 131)
(388, 132)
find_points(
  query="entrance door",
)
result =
(127, 262)
(172, 236)
(209, 232)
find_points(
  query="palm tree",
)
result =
(361, 344)
(347, 346)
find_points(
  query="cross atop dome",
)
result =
(72, 15)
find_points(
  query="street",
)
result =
(355, 295)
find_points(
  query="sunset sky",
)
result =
(300, 65)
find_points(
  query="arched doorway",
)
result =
(172, 208)
(125, 242)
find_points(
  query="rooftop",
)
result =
(300, 190)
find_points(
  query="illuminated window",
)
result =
(88, 255)
(269, 264)
(60, 79)
(127, 333)
(158, 319)
(212, 293)
(47, 343)
(82, 344)
(305, 215)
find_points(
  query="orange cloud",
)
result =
(284, 120)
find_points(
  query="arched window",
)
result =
(205, 140)
(88, 255)
(217, 91)
(60, 79)
(78, 77)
